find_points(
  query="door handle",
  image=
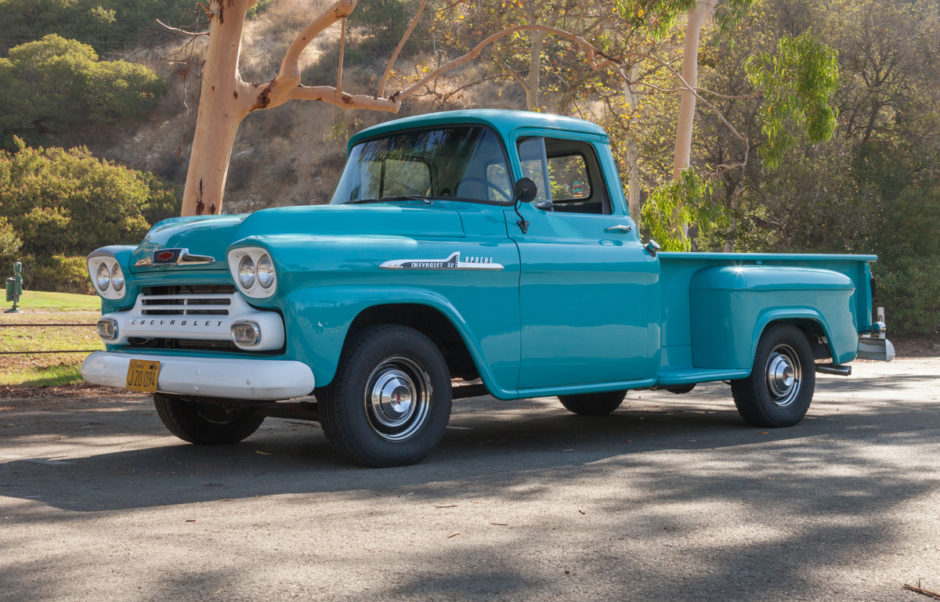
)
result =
(623, 229)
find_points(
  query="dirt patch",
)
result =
(917, 346)
(63, 397)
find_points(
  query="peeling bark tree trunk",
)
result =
(219, 113)
(532, 101)
(632, 96)
(697, 19)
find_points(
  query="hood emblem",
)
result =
(452, 262)
(174, 257)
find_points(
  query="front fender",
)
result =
(318, 321)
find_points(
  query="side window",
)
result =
(497, 177)
(569, 178)
(535, 165)
(571, 171)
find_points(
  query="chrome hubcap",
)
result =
(783, 375)
(397, 398)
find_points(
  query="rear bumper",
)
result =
(871, 348)
(253, 379)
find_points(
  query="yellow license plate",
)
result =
(142, 376)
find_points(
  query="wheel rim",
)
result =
(783, 375)
(397, 398)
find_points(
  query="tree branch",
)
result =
(401, 44)
(342, 51)
(589, 48)
(290, 66)
(343, 100)
(182, 31)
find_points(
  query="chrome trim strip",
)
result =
(452, 262)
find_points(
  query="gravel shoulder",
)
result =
(671, 497)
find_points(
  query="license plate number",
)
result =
(142, 376)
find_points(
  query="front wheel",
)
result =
(593, 404)
(780, 388)
(390, 400)
(205, 423)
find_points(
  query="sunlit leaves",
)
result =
(672, 208)
(797, 83)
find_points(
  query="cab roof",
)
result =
(501, 120)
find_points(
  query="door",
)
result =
(587, 287)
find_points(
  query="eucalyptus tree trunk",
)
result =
(632, 95)
(532, 101)
(697, 18)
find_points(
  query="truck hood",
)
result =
(212, 235)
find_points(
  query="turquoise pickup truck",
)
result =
(463, 253)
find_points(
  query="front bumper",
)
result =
(255, 379)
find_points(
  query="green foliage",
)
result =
(108, 25)
(10, 242)
(672, 208)
(259, 7)
(53, 84)
(68, 202)
(797, 84)
(59, 273)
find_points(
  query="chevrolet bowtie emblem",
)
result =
(174, 257)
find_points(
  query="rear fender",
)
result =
(731, 306)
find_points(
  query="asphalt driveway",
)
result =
(672, 497)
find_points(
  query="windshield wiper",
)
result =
(386, 199)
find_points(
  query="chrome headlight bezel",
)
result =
(254, 255)
(107, 276)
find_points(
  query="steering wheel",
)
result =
(488, 184)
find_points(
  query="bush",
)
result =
(61, 204)
(53, 84)
(108, 25)
(58, 273)
(10, 243)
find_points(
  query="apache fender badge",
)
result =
(453, 262)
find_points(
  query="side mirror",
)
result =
(525, 190)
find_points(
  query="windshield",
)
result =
(463, 163)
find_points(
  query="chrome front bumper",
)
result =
(254, 379)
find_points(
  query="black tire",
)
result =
(205, 423)
(361, 411)
(681, 389)
(593, 404)
(780, 388)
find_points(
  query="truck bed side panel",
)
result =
(713, 314)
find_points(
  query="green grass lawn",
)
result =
(43, 300)
(47, 369)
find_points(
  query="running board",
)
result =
(831, 369)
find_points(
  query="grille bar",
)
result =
(182, 304)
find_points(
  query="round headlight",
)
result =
(265, 271)
(246, 272)
(117, 278)
(103, 277)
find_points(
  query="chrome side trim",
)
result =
(452, 262)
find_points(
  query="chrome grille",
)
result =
(186, 300)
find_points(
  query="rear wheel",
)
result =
(780, 388)
(593, 404)
(205, 423)
(390, 400)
